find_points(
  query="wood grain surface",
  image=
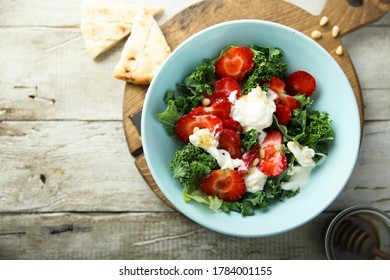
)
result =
(196, 18)
(69, 189)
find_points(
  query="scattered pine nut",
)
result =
(195, 130)
(335, 31)
(324, 20)
(262, 153)
(206, 101)
(339, 50)
(255, 162)
(316, 34)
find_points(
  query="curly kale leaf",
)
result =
(268, 63)
(192, 90)
(190, 164)
(169, 117)
(250, 139)
(318, 129)
(198, 83)
(310, 128)
(247, 204)
(261, 199)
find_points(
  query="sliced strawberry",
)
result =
(233, 125)
(278, 86)
(273, 161)
(235, 63)
(273, 166)
(273, 139)
(300, 82)
(230, 141)
(227, 84)
(228, 184)
(199, 110)
(216, 95)
(283, 114)
(248, 158)
(291, 103)
(186, 124)
(220, 108)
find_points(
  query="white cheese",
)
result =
(299, 177)
(254, 110)
(300, 174)
(303, 154)
(254, 180)
(204, 139)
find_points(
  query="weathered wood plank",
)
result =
(368, 184)
(146, 236)
(66, 13)
(86, 166)
(368, 48)
(70, 166)
(52, 77)
(376, 104)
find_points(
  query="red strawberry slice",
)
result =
(228, 184)
(300, 82)
(291, 103)
(273, 161)
(235, 63)
(216, 95)
(220, 108)
(273, 166)
(186, 124)
(278, 86)
(233, 125)
(227, 84)
(283, 114)
(230, 141)
(223, 89)
(248, 158)
(273, 139)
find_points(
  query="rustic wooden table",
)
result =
(69, 188)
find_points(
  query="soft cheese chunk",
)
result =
(303, 154)
(255, 110)
(254, 180)
(204, 139)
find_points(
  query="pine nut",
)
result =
(316, 34)
(324, 20)
(262, 153)
(206, 101)
(335, 31)
(255, 162)
(339, 50)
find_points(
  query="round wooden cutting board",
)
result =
(347, 14)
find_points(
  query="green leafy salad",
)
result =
(249, 136)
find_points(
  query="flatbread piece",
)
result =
(105, 23)
(144, 51)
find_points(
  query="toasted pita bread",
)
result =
(144, 51)
(105, 23)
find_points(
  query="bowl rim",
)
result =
(152, 85)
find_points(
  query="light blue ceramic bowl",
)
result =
(334, 95)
